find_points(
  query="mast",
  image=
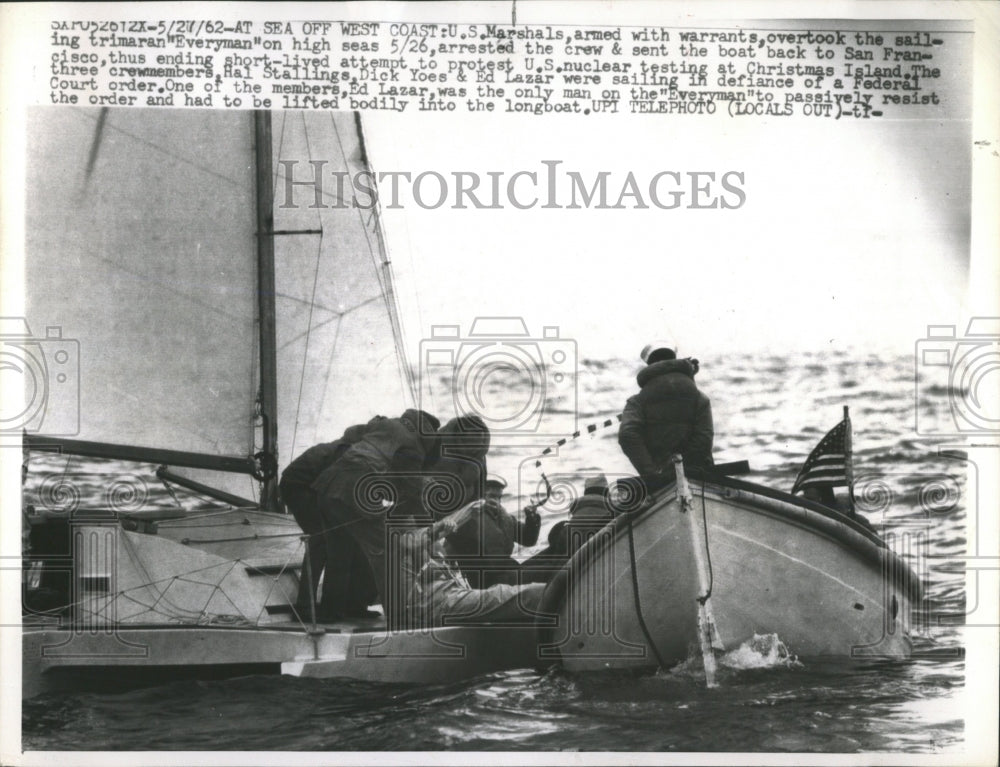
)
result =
(268, 400)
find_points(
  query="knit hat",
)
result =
(658, 351)
(468, 433)
(595, 485)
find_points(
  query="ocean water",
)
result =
(769, 410)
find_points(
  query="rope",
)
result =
(589, 429)
(170, 490)
(635, 593)
(708, 553)
(255, 537)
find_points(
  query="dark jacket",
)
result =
(304, 470)
(588, 514)
(667, 416)
(493, 533)
(453, 482)
(400, 447)
(591, 505)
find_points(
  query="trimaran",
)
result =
(219, 311)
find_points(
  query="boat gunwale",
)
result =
(811, 516)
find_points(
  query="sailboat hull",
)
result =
(775, 565)
(156, 596)
(58, 659)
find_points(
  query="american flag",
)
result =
(829, 464)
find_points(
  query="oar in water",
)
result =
(708, 637)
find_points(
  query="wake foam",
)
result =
(760, 651)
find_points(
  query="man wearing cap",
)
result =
(668, 415)
(587, 515)
(484, 545)
(379, 477)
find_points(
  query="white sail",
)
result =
(339, 345)
(142, 247)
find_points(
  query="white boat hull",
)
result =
(211, 594)
(775, 566)
(59, 658)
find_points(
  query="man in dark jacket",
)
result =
(433, 591)
(483, 546)
(588, 514)
(379, 477)
(668, 415)
(459, 476)
(301, 501)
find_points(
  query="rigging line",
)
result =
(329, 366)
(172, 493)
(635, 592)
(281, 146)
(254, 537)
(312, 301)
(389, 293)
(337, 315)
(392, 300)
(383, 268)
(205, 513)
(308, 336)
(312, 305)
(708, 553)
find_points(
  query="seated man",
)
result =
(668, 415)
(587, 515)
(484, 545)
(434, 593)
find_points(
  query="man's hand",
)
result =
(444, 527)
(447, 525)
